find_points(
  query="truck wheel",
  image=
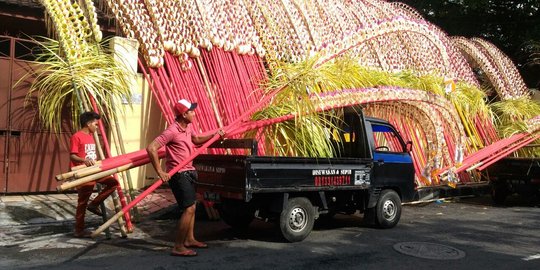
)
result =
(296, 220)
(237, 214)
(387, 212)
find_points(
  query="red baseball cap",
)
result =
(183, 106)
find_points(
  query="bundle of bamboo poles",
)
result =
(483, 158)
(82, 174)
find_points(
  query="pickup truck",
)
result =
(372, 173)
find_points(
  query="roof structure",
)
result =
(23, 3)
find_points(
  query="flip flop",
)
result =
(185, 253)
(95, 210)
(201, 245)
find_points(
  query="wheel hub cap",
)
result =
(297, 219)
(389, 210)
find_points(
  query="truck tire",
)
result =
(237, 214)
(297, 219)
(387, 212)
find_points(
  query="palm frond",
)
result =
(512, 114)
(59, 82)
(303, 81)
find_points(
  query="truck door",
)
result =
(392, 164)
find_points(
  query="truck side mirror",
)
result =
(408, 146)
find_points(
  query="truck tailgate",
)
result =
(242, 175)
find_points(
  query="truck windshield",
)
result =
(386, 139)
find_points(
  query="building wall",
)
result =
(141, 121)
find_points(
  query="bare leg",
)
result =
(183, 228)
(190, 240)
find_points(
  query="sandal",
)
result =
(185, 253)
(199, 245)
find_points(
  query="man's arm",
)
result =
(152, 150)
(198, 140)
(87, 162)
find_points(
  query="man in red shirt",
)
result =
(179, 140)
(83, 151)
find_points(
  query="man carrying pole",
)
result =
(83, 151)
(179, 140)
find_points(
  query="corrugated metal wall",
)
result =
(30, 156)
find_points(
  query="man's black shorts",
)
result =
(182, 186)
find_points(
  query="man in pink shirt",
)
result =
(83, 151)
(179, 140)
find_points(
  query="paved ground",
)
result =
(55, 208)
(465, 234)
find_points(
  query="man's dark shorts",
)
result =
(182, 186)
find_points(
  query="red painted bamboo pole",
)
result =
(155, 185)
(487, 162)
(483, 153)
(492, 148)
(155, 86)
(102, 174)
(110, 163)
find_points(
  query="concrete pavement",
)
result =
(449, 234)
(16, 210)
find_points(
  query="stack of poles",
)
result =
(488, 155)
(232, 124)
(224, 84)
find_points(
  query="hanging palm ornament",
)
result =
(74, 67)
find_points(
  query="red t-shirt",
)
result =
(84, 146)
(178, 145)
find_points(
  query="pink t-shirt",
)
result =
(84, 146)
(178, 145)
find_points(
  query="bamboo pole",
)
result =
(117, 135)
(506, 152)
(110, 163)
(77, 173)
(209, 92)
(78, 167)
(102, 174)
